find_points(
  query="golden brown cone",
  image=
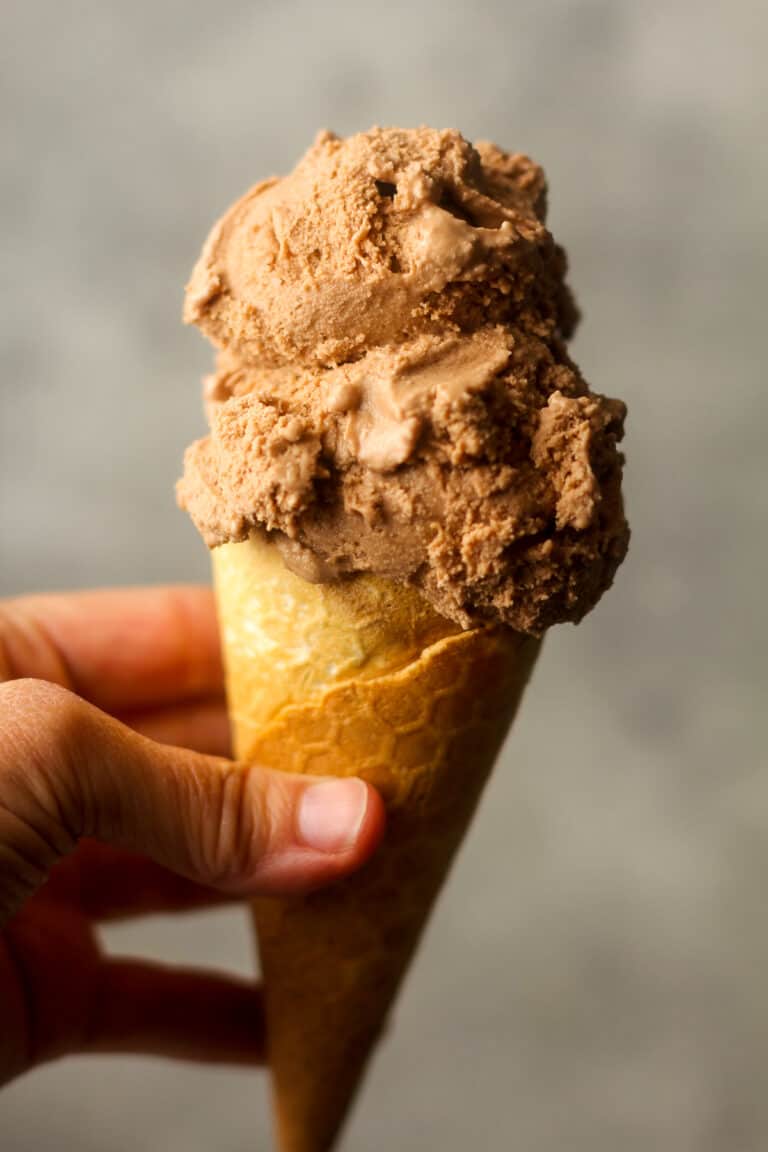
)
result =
(419, 710)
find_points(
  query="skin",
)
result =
(103, 815)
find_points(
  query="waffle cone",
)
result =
(356, 678)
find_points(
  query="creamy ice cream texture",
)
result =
(393, 393)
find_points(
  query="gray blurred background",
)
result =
(596, 976)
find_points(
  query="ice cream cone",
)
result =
(392, 397)
(363, 678)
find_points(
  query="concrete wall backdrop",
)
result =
(596, 976)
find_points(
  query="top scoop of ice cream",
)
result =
(393, 393)
(375, 239)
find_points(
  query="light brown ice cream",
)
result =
(393, 393)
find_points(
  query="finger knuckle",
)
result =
(40, 727)
(236, 828)
(37, 707)
(38, 811)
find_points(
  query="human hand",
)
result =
(95, 688)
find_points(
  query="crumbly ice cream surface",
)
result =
(393, 393)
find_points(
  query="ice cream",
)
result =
(405, 482)
(393, 393)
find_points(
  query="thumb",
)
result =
(68, 770)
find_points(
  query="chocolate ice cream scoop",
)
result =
(393, 393)
(375, 239)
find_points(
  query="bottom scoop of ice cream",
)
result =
(457, 448)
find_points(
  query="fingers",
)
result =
(68, 770)
(107, 883)
(120, 648)
(152, 1010)
(203, 726)
(62, 995)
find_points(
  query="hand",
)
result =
(184, 828)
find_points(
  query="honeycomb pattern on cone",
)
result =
(397, 725)
(426, 735)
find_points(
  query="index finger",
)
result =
(120, 648)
